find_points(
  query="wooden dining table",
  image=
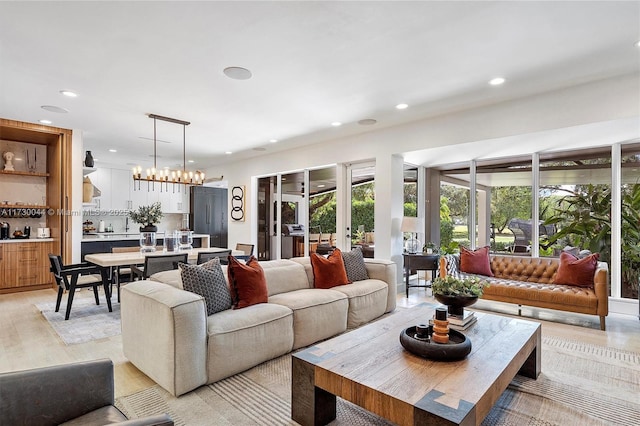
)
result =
(109, 261)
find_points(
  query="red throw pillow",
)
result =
(574, 271)
(248, 283)
(329, 272)
(475, 261)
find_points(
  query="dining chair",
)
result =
(325, 239)
(246, 248)
(122, 271)
(154, 264)
(81, 275)
(205, 256)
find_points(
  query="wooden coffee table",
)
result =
(370, 368)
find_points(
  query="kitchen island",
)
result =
(103, 242)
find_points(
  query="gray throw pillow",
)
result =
(208, 281)
(354, 264)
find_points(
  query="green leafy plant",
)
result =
(430, 245)
(451, 248)
(147, 215)
(454, 286)
(585, 220)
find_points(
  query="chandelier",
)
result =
(166, 176)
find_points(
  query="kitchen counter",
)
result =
(104, 242)
(26, 240)
(124, 236)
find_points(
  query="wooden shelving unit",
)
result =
(22, 206)
(25, 266)
(34, 174)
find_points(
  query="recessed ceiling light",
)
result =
(45, 121)
(69, 93)
(190, 161)
(497, 81)
(321, 186)
(273, 140)
(229, 152)
(237, 73)
(402, 106)
(113, 150)
(638, 43)
(367, 122)
(53, 108)
(336, 124)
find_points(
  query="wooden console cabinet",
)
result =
(25, 266)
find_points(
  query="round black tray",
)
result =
(458, 347)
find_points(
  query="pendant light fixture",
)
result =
(179, 177)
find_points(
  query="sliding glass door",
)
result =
(361, 208)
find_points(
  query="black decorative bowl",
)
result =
(458, 347)
(456, 304)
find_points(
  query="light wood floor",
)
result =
(27, 341)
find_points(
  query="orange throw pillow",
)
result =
(248, 283)
(574, 271)
(329, 272)
(475, 261)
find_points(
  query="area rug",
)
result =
(580, 384)
(87, 321)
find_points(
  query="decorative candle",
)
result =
(441, 314)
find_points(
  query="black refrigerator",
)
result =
(208, 213)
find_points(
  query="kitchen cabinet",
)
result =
(25, 266)
(121, 192)
(174, 201)
(101, 179)
(208, 213)
(121, 188)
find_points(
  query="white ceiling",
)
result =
(313, 63)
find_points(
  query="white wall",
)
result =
(609, 109)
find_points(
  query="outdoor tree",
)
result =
(509, 202)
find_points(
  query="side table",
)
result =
(419, 262)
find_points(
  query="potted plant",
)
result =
(147, 216)
(457, 292)
(430, 247)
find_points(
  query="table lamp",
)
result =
(414, 225)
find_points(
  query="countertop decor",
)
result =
(147, 216)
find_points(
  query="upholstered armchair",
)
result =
(74, 394)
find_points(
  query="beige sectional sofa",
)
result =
(168, 336)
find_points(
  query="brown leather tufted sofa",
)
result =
(529, 281)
